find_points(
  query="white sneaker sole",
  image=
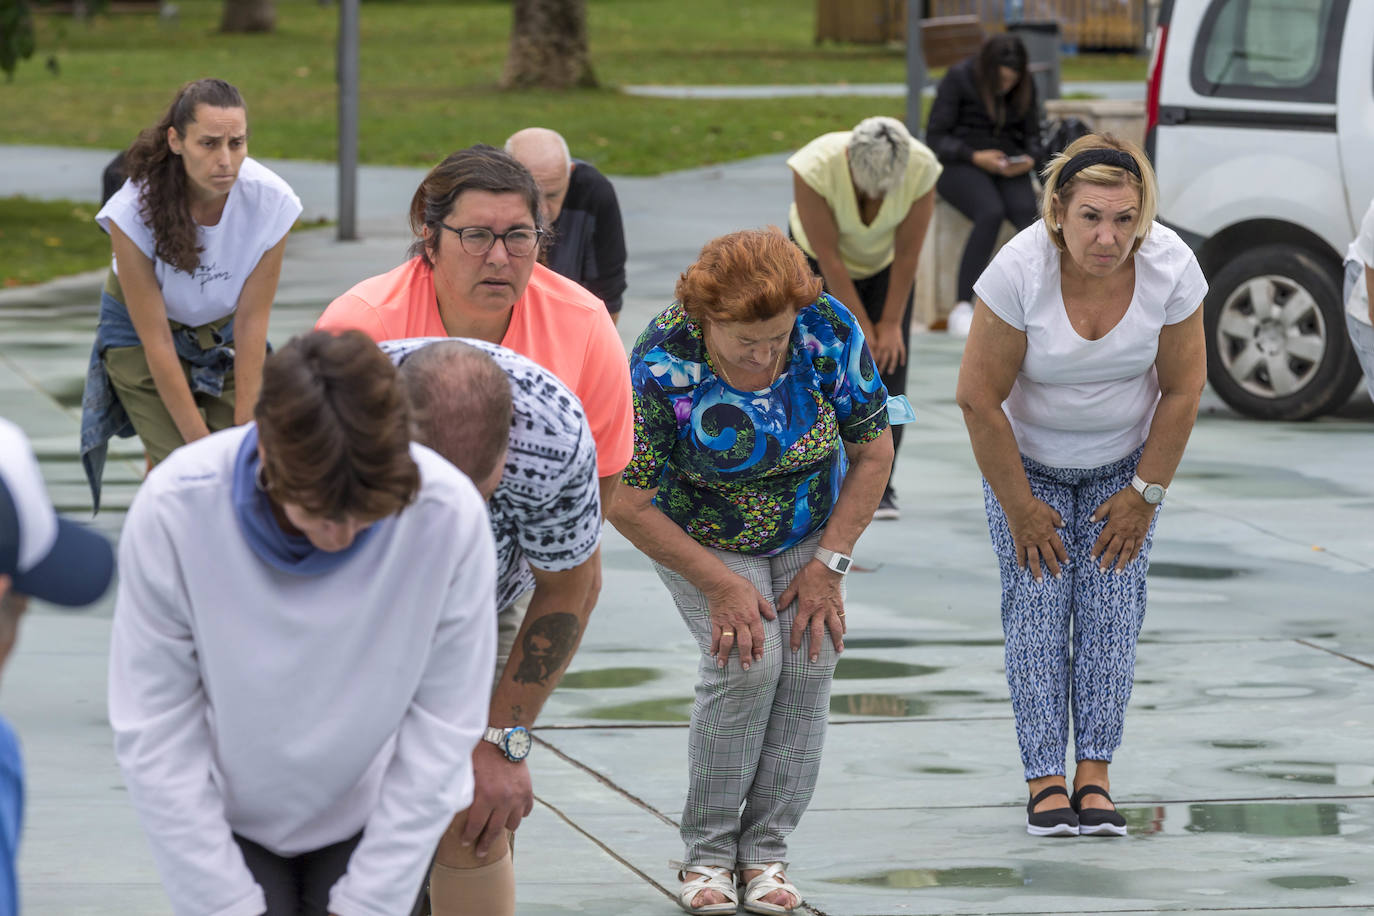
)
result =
(1056, 830)
(1102, 830)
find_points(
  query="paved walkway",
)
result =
(1134, 89)
(1247, 773)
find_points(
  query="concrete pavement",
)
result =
(1248, 769)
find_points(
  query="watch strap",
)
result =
(1140, 486)
(500, 737)
(833, 559)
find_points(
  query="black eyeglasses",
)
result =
(477, 240)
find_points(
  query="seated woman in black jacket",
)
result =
(984, 127)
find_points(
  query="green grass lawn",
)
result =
(40, 240)
(429, 72)
(43, 239)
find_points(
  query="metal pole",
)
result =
(348, 120)
(915, 69)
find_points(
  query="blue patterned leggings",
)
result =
(1100, 612)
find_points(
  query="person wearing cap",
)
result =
(45, 557)
(1079, 385)
(580, 206)
(511, 425)
(861, 203)
(303, 639)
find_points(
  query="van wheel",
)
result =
(1277, 347)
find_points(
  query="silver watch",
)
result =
(1152, 493)
(839, 562)
(515, 742)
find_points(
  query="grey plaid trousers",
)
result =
(754, 746)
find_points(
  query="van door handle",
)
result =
(1172, 114)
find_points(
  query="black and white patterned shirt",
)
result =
(546, 512)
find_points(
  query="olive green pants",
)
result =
(132, 380)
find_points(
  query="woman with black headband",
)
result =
(1080, 385)
(984, 125)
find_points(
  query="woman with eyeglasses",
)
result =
(474, 273)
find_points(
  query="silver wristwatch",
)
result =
(515, 742)
(1152, 493)
(834, 560)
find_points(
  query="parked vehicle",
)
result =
(1260, 124)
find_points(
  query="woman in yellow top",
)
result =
(861, 204)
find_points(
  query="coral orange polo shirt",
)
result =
(556, 323)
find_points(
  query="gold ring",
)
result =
(727, 632)
(841, 613)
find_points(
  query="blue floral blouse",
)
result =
(752, 471)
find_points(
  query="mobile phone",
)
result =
(1021, 158)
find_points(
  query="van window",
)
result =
(1270, 49)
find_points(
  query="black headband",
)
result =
(1091, 157)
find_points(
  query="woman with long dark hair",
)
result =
(984, 127)
(197, 232)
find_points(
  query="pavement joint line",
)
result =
(1123, 802)
(1201, 507)
(33, 383)
(1349, 658)
(603, 847)
(611, 852)
(886, 720)
(1337, 907)
(608, 783)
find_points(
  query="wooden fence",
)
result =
(1115, 24)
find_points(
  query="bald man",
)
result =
(580, 204)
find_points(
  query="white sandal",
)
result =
(766, 882)
(709, 878)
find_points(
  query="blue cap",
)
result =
(46, 557)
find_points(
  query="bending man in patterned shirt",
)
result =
(521, 435)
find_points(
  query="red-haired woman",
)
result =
(761, 449)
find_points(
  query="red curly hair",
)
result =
(750, 275)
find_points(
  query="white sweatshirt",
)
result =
(296, 711)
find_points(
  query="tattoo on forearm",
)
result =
(547, 645)
(516, 712)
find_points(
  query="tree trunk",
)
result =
(249, 16)
(548, 46)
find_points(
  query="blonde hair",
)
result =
(1111, 176)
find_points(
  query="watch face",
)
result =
(1154, 494)
(841, 564)
(518, 743)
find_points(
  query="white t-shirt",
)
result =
(1361, 250)
(1084, 403)
(260, 209)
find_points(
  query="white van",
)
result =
(1260, 125)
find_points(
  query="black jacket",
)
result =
(959, 124)
(589, 237)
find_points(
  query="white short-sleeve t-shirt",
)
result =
(1080, 403)
(1361, 250)
(260, 210)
